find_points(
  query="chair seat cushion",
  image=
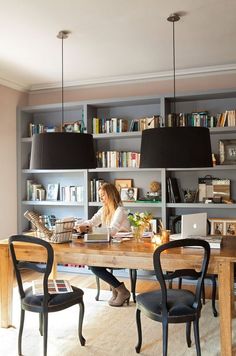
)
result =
(57, 301)
(179, 302)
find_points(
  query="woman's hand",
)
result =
(83, 229)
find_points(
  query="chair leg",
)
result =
(45, 333)
(180, 283)
(164, 337)
(22, 319)
(188, 333)
(133, 280)
(81, 318)
(98, 288)
(213, 296)
(203, 293)
(139, 329)
(41, 324)
(196, 336)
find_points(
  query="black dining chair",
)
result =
(174, 305)
(44, 303)
(133, 280)
(176, 228)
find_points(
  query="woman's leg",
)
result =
(106, 276)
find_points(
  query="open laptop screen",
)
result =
(194, 225)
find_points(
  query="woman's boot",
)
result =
(123, 295)
(114, 295)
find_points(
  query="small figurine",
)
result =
(155, 191)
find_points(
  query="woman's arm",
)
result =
(86, 226)
(119, 221)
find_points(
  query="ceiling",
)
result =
(113, 41)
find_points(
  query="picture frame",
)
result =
(129, 194)
(230, 228)
(123, 183)
(155, 225)
(223, 226)
(227, 152)
(52, 191)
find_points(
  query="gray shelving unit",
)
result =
(129, 108)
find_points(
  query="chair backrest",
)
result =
(176, 225)
(20, 265)
(197, 275)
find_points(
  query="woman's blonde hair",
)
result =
(114, 201)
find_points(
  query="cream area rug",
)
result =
(108, 331)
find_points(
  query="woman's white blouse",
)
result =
(119, 221)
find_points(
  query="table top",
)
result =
(144, 248)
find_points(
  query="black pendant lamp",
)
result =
(175, 147)
(62, 150)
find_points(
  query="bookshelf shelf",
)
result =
(118, 135)
(50, 203)
(200, 206)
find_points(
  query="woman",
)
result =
(112, 215)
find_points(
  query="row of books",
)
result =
(34, 191)
(37, 192)
(115, 159)
(145, 123)
(72, 193)
(173, 191)
(112, 125)
(94, 185)
(227, 118)
(77, 126)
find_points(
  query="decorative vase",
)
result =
(137, 232)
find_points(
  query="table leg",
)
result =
(225, 277)
(6, 287)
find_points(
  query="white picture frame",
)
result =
(52, 191)
(129, 194)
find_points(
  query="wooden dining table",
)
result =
(132, 255)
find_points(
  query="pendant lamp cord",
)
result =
(62, 83)
(62, 35)
(174, 61)
(173, 18)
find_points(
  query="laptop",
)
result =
(98, 234)
(192, 225)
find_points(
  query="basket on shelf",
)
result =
(62, 232)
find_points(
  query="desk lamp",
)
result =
(62, 150)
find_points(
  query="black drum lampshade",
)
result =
(176, 147)
(62, 150)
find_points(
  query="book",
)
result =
(55, 286)
(214, 241)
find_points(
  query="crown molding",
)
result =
(138, 78)
(14, 85)
(129, 79)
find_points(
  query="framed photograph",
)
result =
(155, 225)
(230, 228)
(52, 191)
(123, 183)
(227, 151)
(129, 194)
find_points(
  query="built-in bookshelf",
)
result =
(116, 131)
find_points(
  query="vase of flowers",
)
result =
(139, 223)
